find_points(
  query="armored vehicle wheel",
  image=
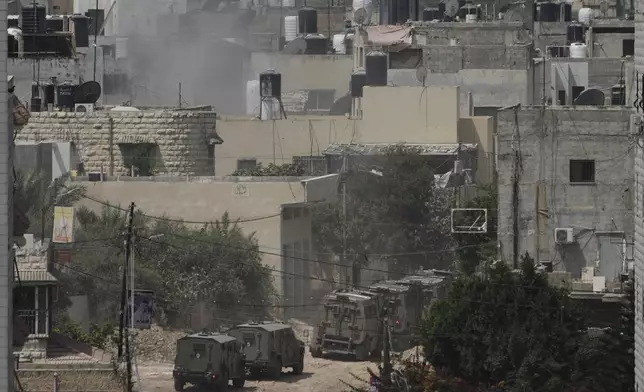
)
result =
(276, 369)
(299, 368)
(239, 382)
(178, 385)
(316, 352)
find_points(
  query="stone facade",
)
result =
(176, 142)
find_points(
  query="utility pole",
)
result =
(343, 178)
(95, 38)
(123, 308)
(386, 354)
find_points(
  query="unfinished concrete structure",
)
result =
(566, 188)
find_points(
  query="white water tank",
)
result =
(471, 18)
(577, 50)
(338, 44)
(290, 27)
(252, 98)
(288, 3)
(268, 106)
(585, 16)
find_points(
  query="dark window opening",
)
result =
(312, 165)
(406, 59)
(628, 47)
(561, 97)
(576, 90)
(582, 171)
(139, 159)
(211, 158)
(320, 100)
(246, 164)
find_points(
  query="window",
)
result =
(628, 47)
(320, 100)
(314, 165)
(246, 164)
(139, 158)
(582, 171)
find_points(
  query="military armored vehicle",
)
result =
(270, 346)
(209, 360)
(351, 324)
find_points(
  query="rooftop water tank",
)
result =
(290, 27)
(548, 12)
(316, 44)
(574, 33)
(338, 44)
(431, 13)
(565, 13)
(65, 95)
(54, 23)
(307, 19)
(358, 81)
(585, 16)
(81, 30)
(96, 19)
(376, 68)
(577, 50)
(270, 84)
(33, 18)
(388, 13)
(618, 94)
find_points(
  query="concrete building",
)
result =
(113, 142)
(432, 116)
(566, 189)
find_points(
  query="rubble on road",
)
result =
(156, 344)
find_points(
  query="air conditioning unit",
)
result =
(84, 108)
(564, 235)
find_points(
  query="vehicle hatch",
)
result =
(252, 343)
(193, 356)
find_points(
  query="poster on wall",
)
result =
(143, 305)
(63, 225)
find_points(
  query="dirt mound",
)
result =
(156, 344)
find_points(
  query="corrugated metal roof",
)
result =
(383, 148)
(34, 276)
(135, 139)
(219, 337)
(267, 326)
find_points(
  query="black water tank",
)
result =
(65, 95)
(316, 44)
(81, 30)
(50, 93)
(431, 13)
(548, 12)
(407, 10)
(574, 33)
(54, 23)
(566, 12)
(618, 94)
(270, 84)
(33, 18)
(358, 81)
(376, 68)
(307, 19)
(348, 44)
(13, 21)
(35, 90)
(441, 9)
(95, 15)
(36, 104)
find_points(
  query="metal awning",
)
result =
(135, 139)
(31, 277)
(383, 148)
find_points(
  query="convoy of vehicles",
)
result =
(353, 323)
(353, 319)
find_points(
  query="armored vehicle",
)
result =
(350, 326)
(270, 346)
(209, 360)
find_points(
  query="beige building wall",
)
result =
(390, 115)
(207, 199)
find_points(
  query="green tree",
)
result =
(398, 212)
(475, 250)
(36, 196)
(273, 170)
(509, 327)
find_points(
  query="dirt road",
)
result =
(320, 375)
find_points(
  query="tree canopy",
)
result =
(398, 212)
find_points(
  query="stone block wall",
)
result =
(180, 138)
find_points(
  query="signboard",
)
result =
(240, 189)
(143, 309)
(63, 225)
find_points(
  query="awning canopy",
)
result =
(384, 148)
(34, 277)
(135, 139)
(395, 37)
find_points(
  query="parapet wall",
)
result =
(179, 139)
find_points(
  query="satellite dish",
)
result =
(451, 8)
(360, 16)
(88, 92)
(590, 97)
